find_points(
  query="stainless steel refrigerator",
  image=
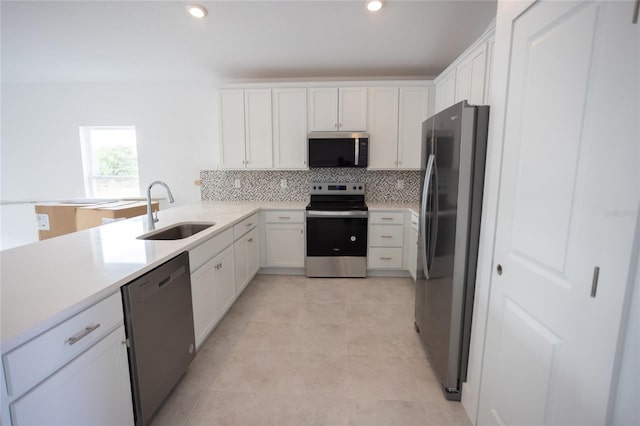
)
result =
(453, 157)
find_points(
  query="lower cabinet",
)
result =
(246, 251)
(386, 239)
(411, 247)
(284, 243)
(92, 389)
(212, 292)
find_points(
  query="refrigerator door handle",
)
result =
(423, 215)
(436, 210)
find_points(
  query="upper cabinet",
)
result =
(338, 109)
(245, 129)
(290, 128)
(395, 126)
(468, 78)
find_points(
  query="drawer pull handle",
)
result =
(75, 339)
(387, 218)
(386, 236)
(284, 217)
(249, 224)
(250, 240)
(385, 258)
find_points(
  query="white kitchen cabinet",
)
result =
(77, 372)
(487, 83)
(290, 128)
(92, 389)
(245, 129)
(284, 241)
(383, 127)
(470, 76)
(411, 245)
(395, 126)
(386, 240)
(246, 251)
(224, 281)
(338, 109)
(413, 110)
(212, 283)
(446, 91)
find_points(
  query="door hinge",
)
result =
(127, 342)
(636, 10)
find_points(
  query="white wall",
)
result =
(40, 149)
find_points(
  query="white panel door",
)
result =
(224, 284)
(477, 67)
(383, 127)
(203, 296)
(487, 78)
(258, 124)
(93, 389)
(284, 245)
(232, 154)
(253, 253)
(413, 111)
(463, 80)
(352, 109)
(323, 109)
(569, 179)
(290, 128)
(240, 260)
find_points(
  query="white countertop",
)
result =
(47, 282)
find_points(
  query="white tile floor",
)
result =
(309, 351)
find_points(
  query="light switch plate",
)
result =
(400, 184)
(236, 183)
(283, 183)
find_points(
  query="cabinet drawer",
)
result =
(34, 361)
(388, 218)
(284, 216)
(385, 258)
(241, 228)
(198, 256)
(386, 235)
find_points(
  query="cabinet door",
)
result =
(446, 91)
(463, 78)
(253, 253)
(240, 257)
(93, 389)
(203, 299)
(413, 111)
(411, 250)
(232, 141)
(224, 281)
(352, 109)
(290, 128)
(477, 67)
(487, 78)
(383, 127)
(323, 109)
(285, 245)
(258, 128)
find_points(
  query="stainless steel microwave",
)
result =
(338, 149)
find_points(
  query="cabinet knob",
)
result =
(499, 269)
(250, 240)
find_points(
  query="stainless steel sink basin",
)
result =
(177, 231)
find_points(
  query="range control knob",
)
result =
(359, 187)
(354, 187)
(314, 187)
(320, 187)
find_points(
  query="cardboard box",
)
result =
(56, 219)
(102, 214)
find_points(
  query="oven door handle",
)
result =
(349, 213)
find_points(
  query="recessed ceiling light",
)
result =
(374, 5)
(197, 11)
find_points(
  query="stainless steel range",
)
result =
(337, 218)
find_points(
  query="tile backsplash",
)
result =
(266, 185)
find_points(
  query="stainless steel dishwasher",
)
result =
(160, 337)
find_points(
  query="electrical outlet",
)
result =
(236, 183)
(400, 184)
(283, 183)
(197, 182)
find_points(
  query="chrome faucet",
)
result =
(150, 217)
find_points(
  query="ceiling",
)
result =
(238, 41)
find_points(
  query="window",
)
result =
(110, 159)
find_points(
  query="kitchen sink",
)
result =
(177, 231)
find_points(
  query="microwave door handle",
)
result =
(357, 142)
(423, 215)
